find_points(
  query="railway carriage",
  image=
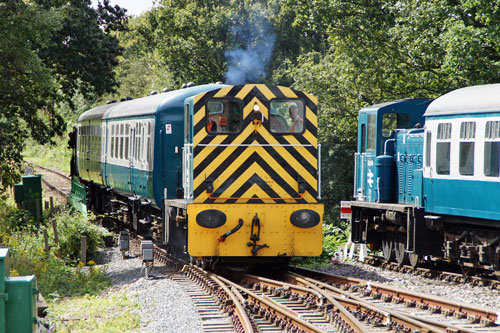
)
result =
(213, 172)
(431, 191)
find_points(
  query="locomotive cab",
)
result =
(374, 159)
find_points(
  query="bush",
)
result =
(71, 228)
(56, 276)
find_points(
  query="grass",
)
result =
(56, 156)
(110, 313)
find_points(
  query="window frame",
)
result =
(467, 136)
(443, 137)
(290, 100)
(241, 106)
(491, 137)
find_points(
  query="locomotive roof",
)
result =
(400, 103)
(146, 105)
(475, 99)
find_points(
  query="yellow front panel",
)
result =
(276, 231)
(254, 164)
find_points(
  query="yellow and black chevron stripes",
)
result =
(255, 166)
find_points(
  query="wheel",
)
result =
(414, 259)
(467, 270)
(388, 248)
(400, 249)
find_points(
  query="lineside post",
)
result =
(83, 257)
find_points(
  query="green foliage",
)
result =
(191, 37)
(71, 228)
(83, 52)
(56, 277)
(49, 52)
(334, 238)
(27, 85)
(139, 70)
(55, 155)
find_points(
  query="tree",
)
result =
(83, 52)
(48, 52)
(25, 82)
(139, 71)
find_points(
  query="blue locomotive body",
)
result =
(430, 190)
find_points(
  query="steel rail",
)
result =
(393, 318)
(241, 321)
(320, 297)
(472, 313)
(58, 172)
(278, 311)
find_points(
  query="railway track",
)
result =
(55, 180)
(443, 274)
(307, 301)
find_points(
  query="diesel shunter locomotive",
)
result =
(212, 172)
(427, 179)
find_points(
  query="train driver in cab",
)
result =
(297, 124)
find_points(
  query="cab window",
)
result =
(224, 116)
(287, 116)
(392, 121)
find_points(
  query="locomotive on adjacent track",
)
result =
(211, 172)
(427, 179)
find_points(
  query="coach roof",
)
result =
(475, 99)
(146, 105)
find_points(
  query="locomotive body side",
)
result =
(445, 186)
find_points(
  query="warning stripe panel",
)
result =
(255, 165)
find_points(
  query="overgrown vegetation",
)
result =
(58, 272)
(56, 156)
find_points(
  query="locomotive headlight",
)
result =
(305, 218)
(211, 218)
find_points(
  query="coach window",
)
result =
(467, 136)
(112, 153)
(121, 140)
(149, 158)
(127, 133)
(224, 116)
(428, 149)
(492, 149)
(443, 149)
(117, 141)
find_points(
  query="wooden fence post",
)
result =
(38, 208)
(56, 237)
(51, 206)
(83, 257)
(46, 239)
